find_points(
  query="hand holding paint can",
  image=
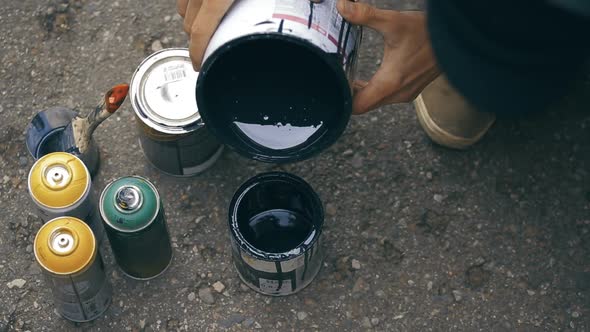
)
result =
(275, 82)
(275, 222)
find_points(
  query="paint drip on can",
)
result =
(59, 184)
(172, 135)
(275, 222)
(133, 215)
(66, 250)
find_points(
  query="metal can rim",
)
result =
(264, 154)
(136, 104)
(74, 273)
(110, 223)
(248, 248)
(70, 206)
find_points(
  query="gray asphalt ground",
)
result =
(492, 239)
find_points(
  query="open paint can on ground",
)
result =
(275, 82)
(171, 133)
(276, 221)
(43, 136)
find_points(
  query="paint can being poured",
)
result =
(275, 82)
(275, 221)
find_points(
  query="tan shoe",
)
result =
(448, 119)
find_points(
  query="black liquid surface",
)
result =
(52, 143)
(274, 98)
(277, 231)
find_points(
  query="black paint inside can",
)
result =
(276, 222)
(273, 97)
(276, 230)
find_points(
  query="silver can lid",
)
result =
(163, 92)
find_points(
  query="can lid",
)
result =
(58, 180)
(65, 246)
(129, 204)
(163, 92)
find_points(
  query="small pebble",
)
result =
(157, 45)
(191, 296)
(18, 283)
(531, 292)
(438, 198)
(411, 282)
(167, 18)
(23, 161)
(248, 322)
(575, 314)
(356, 265)
(331, 209)
(367, 323)
(429, 175)
(348, 153)
(206, 296)
(480, 261)
(62, 8)
(357, 161)
(429, 285)
(219, 287)
(375, 321)
(457, 295)
(301, 315)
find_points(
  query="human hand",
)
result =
(201, 18)
(408, 64)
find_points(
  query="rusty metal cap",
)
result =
(65, 246)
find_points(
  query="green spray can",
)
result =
(134, 221)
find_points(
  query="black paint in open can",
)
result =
(276, 221)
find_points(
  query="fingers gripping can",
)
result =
(275, 222)
(133, 216)
(171, 133)
(60, 185)
(66, 250)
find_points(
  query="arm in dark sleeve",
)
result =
(510, 57)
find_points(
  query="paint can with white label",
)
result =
(171, 133)
(275, 84)
(276, 221)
